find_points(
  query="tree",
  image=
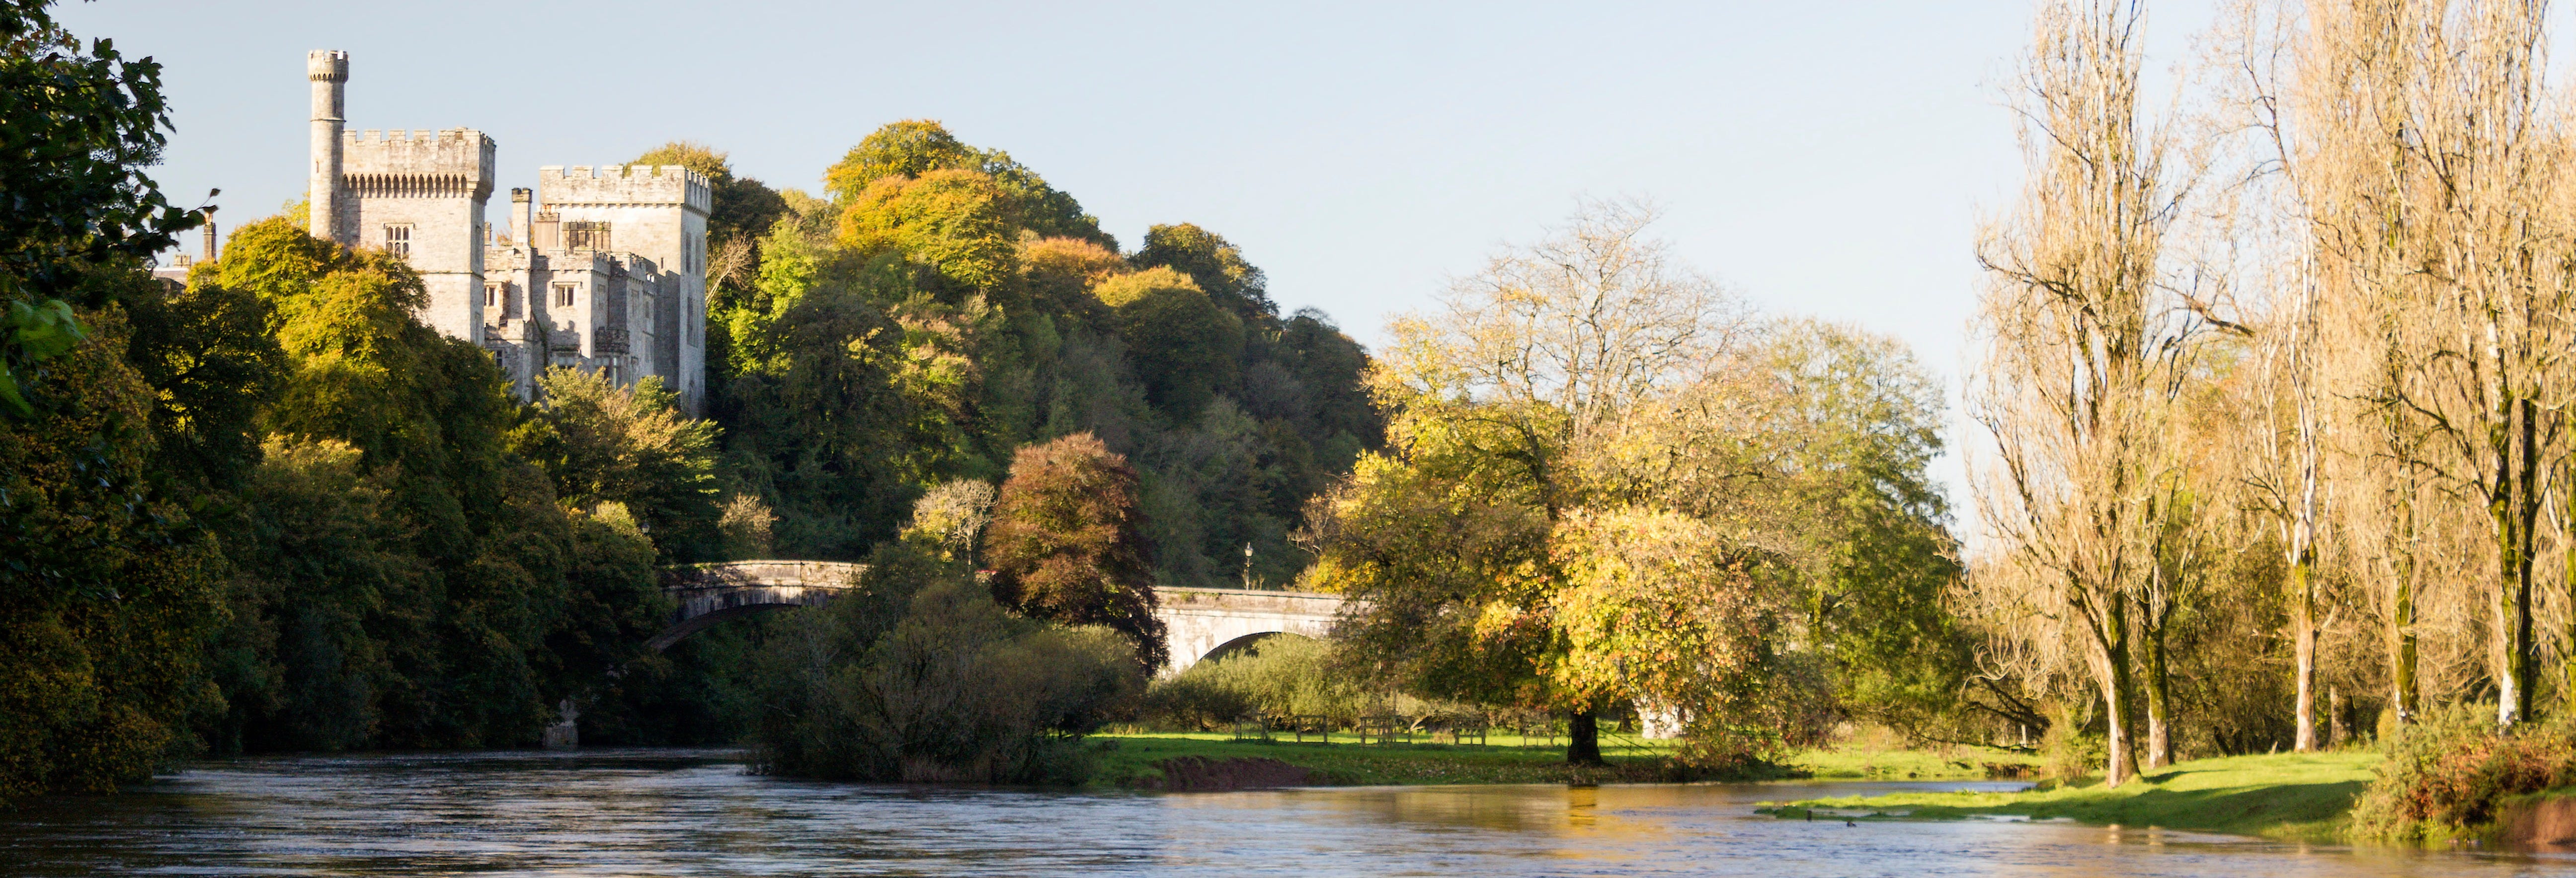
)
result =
(956, 224)
(77, 128)
(112, 584)
(916, 147)
(2081, 361)
(1213, 262)
(1183, 345)
(1067, 543)
(1504, 404)
(631, 446)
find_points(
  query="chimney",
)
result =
(546, 233)
(329, 71)
(210, 235)
(519, 206)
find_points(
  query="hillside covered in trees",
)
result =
(940, 305)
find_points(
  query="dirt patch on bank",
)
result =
(1201, 774)
(2545, 822)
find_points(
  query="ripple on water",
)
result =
(666, 812)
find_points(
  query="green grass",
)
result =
(2281, 796)
(1871, 763)
(1126, 759)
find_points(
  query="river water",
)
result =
(664, 812)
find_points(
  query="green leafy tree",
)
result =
(1183, 345)
(630, 446)
(1215, 263)
(111, 587)
(77, 127)
(916, 147)
(956, 224)
(1522, 402)
(107, 450)
(429, 418)
(1067, 543)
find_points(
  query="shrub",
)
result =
(1283, 675)
(2447, 776)
(923, 678)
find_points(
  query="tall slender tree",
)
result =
(2082, 358)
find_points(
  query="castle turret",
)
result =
(329, 71)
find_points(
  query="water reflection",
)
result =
(673, 813)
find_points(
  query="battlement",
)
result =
(584, 185)
(456, 162)
(326, 65)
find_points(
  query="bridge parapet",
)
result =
(1202, 622)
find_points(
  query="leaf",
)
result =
(9, 395)
(44, 331)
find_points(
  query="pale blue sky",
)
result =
(1827, 159)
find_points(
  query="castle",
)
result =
(601, 268)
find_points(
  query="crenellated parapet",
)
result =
(452, 163)
(625, 185)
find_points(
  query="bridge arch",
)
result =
(711, 593)
(1246, 644)
(1206, 623)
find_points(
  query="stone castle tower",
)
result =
(601, 269)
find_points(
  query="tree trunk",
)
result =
(1583, 739)
(2159, 704)
(2568, 478)
(2303, 631)
(2401, 607)
(2111, 672)
(2515, 509)
(2335, 732)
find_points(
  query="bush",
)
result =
(923, 678)
(1284, 675)
(2449, 775)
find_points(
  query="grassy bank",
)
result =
(2281, 796)
(1130, 759)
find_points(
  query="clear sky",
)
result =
(1825, 159)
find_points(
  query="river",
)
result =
(665, 812)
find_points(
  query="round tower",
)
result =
(329, 71)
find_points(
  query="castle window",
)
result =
(585, 235)
(398, 239)
(491, 295)
(563, 295)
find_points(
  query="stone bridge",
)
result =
(1203, 622)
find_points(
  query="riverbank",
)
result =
(1138, 760)
(2284, 796)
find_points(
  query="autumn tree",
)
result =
(1503, 400)
(1067, 544)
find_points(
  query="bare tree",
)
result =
(2082, 358)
